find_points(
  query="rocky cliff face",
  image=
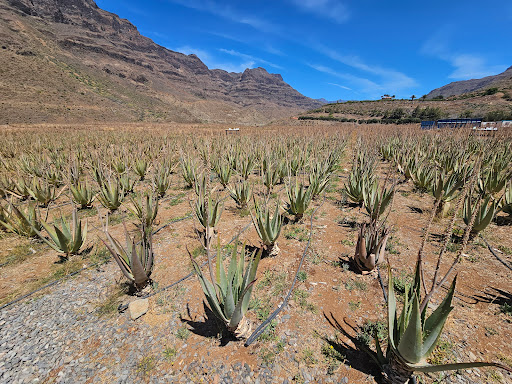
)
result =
(92, 60)
(502, 80)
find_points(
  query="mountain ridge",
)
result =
(111, 63)
(456, 88)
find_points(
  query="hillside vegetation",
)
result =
(491, 104)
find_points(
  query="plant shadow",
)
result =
(359, 356)
(439, 238)
(415, 209)
(210, 327)
(502, 221)
(494, 296)
(347, 223)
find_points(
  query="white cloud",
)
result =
(332, 9)
(228, 13)
(370, 88)
(391, 78)
(249, 57)
(466, 65)
(473, 67)
(340, 86)
(366, 85)
(213, 63)
(187, 50)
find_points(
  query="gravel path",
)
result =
(59, 337)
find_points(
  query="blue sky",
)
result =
(336, 49)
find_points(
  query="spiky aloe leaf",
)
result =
(209, 292)
(410, 345)
(249, 277)
(139, 274)
(434, 324)
(238, 314)
(119, 255)
(392, 320)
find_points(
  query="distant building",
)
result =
(232, 130)
(451, 123)
(458, 123)
(428, 124)
(506, 123)
(387, 97)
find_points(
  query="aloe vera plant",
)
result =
(270, 178)
(371, 246)
(119, 166)
(141, 167)
(188, 171)
(422, 177)
(82, 194)
(127, 183)
(229, 294)
(135, 259)
(43, 193)
(246, 166)
(146, 209)
(318, 181)
(493, 179)
(241, 193)
(24, 223)
(412, 335)
(6, 186)
(111, 195)
(296, 164)
(358, 182)
(506, 204)
(299, 199)
(21, 188)
(97, 174)
(267, 227)
(486, 210)
(376, 200)
(66, 239)
(446, 188)
(208, 216)
(200, 183)
(161, 181)
(224, 172)
(53, 177)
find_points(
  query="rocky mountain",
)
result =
(69, 60)
(501, 81)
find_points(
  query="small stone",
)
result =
(138, 308)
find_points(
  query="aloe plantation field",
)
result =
(320, 253)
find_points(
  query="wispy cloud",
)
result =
(398, 81)
(250, 58)
(366, 85)
(331, 9)
(187, 50)
(213, 63)
(228, 13)
(340, 86)
(466, 65)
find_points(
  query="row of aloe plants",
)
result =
(228, 291)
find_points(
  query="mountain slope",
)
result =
(501, 81)
(68, 60)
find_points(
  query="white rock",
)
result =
(138, 308)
